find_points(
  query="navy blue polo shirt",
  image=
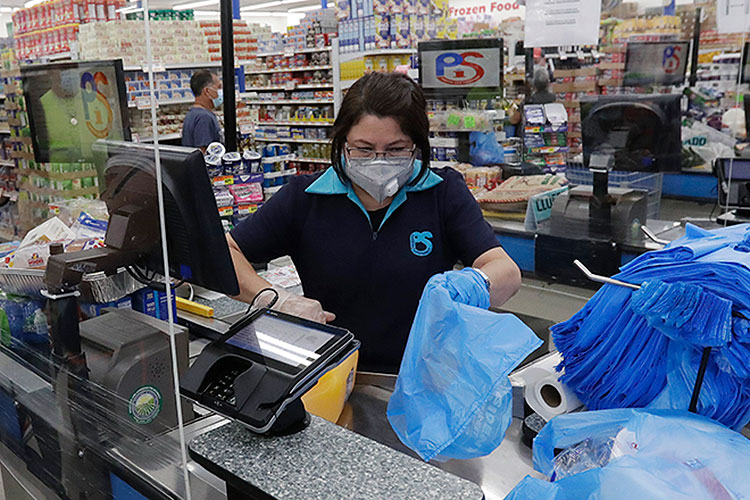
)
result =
(371, 278)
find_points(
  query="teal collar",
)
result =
(329, 183)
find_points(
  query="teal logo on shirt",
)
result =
(420, 243)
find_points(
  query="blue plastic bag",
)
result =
(643, 348)
(654, 454)
(484, 149)
(452, 397)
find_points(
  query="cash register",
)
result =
(266, 382)
(638, 133)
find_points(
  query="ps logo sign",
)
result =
(462, 71)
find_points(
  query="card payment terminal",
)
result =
(258, 370)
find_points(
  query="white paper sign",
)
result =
(552, 23)
(732, 16)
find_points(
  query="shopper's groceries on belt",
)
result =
(634, 453)
(453, 397)
(641, 348)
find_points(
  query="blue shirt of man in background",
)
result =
(201, 126)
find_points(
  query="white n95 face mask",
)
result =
(380, 178)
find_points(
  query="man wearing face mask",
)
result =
(367, 234)
(201, 126)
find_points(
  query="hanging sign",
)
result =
(732, 16)
(551, 23)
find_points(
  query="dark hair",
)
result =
(383, 95)
(200, 80)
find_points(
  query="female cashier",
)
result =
(367, 234)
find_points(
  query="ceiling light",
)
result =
(6, 9)
(264, 14)
(287, 2)
(32, 3)
(261, 5)
(192, 5)
(305, 9)
(207, 13)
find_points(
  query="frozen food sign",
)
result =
(496, 10)
(453, 69)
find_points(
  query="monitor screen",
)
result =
(641, 132)
(660, 63)
(197, 245)
(71, 105)
(461, 69)
(293, 344)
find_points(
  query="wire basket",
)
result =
(95, 287)
(633, 180)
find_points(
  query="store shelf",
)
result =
(443, 142)
(57, 57)
(2, 96)
(4, 130)
(443, 164)
(7, 163)
(288, 101)
(281, 173)
(313, 160)
(162, 137)
(543, 130)
(548, 150)
(274, 159)
(304, 86)
(281, 139)
(167, 102)
(289, 70)
(189, 65)
(350, 56)
(298, 124)
(301, 51)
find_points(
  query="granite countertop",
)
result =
(325, 462)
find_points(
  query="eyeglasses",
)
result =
(371, 154)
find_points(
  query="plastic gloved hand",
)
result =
(297, 305)
(466, 286)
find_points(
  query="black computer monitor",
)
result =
(641, 132)
(745, 64)
(197, 246)
(73, 104)
(461, 69)
(659, 63)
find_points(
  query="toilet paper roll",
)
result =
(549, 397)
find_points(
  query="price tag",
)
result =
(246, 129)
(144, 102)
(453, 120)
(223, 180)
(157, 66)
(470, 122)
(290, 85)
(288, 50)
(226, 211)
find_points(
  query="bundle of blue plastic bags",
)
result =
(628, 454)
(453, 397)
(642, 348)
